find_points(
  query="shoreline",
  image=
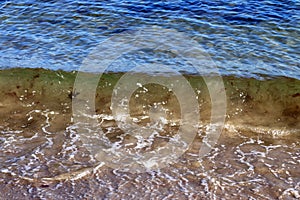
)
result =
(269, 103)
(42, 155)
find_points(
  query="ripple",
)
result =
(59, 36)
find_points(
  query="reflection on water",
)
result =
(250, 38)
(42, 156)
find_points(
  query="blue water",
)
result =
(244, 38)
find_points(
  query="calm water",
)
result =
(246, 38)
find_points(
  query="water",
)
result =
(42, 154)
(255, 45)
(244, 38)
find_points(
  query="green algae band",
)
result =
(273, 103)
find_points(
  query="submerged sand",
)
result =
(42, 157)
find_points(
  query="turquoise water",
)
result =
(244, 38)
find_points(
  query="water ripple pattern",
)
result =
(244, 38)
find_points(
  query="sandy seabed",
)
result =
(42, 157)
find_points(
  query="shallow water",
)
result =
(43, 157)
(244, 38)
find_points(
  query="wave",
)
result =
(42, 154)
(273, 103)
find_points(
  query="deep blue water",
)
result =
(244, 38)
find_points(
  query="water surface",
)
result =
(255, 45)
(245, 38)
(42, 155)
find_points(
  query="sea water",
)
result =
(44, 155)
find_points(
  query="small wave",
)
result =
(43, 155)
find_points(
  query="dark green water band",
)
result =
(273, 103)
